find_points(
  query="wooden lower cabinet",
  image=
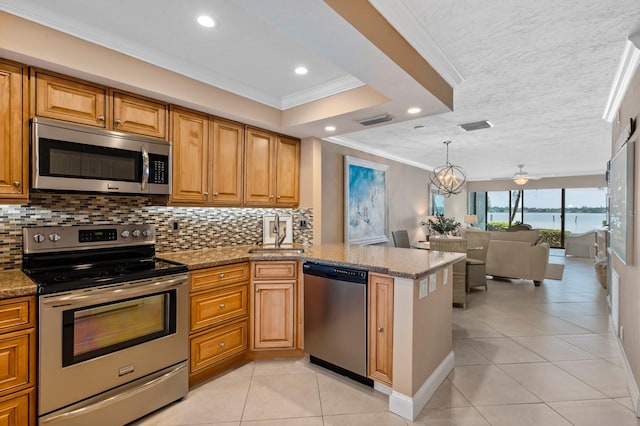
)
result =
(380, 327)
(274, 315)
(18, 409)
(273, 290)
(219, 319)
(17, 361)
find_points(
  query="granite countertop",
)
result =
(403, 263)
(14, 283)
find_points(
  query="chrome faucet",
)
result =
(276, 229)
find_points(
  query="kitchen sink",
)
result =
(283, 250)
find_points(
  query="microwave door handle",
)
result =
(145, 169)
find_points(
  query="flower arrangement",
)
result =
(441, 225)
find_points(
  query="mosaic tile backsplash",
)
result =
(199, 227)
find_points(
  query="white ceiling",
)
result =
(540, 71)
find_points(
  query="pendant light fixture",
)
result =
(448, 179)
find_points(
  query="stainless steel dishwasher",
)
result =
(335, 318)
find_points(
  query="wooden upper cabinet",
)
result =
(259, 167)
(272, 169)
(139, 115)
(70, 100)
(227, 158)
(190, 136)
(287, 171)
(14, 139)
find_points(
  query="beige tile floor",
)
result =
(524, 355)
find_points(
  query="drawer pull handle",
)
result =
(220, 275)
(101, 118)
(222, 344)
(16, 184)
(222, 306)
(118, 122)
(380, 329)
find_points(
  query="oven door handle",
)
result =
(97, 295)
(114, 399)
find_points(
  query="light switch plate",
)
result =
(432, 283)
(445, 276)
(423, 289)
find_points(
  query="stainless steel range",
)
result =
(113, 323)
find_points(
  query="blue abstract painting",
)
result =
(365, 201)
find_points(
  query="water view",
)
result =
(574, 222)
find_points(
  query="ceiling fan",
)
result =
(520, 177)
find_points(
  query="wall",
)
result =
(456, 205)
(407, 194)
(629, 274)
(200, 227)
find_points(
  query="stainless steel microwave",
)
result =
(70, 157)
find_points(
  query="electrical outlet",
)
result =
(432, 283)
(175, 225)
(423, 289)
(445, 276)
(303, 223)
(622, 333)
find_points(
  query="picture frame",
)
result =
(285, 222)
(621, 190)
(365, 201)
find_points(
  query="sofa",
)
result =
(518, 254)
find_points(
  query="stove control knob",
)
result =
(135, 233)
(54, 237)
(38, 238)
(146, 233)
(124, 234)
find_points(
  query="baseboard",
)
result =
(631, 382)
(410, 407)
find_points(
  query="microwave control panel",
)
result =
(159, 169)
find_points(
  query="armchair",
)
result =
(580, 245)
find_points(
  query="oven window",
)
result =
(82, 161)
(97, 330)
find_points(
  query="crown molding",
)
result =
(626, 70)
(367, 149)
(402, 18)
(330, 88)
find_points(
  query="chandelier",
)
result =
(448, 179)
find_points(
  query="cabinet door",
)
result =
(273, 315)
(139, 115)
(13, 134)
(259, 168)
(190, 134)
(380, 327)
(227, 157)
(287, 171)
(70, 100)
(17, 360)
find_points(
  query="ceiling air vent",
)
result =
(470, 127)
(375, 120)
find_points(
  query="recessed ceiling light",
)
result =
(330, 128)
(414, 110)
(206, 21)
(301, 70)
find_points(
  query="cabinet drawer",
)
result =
(274, 270)
(18, 409)
(70, 100)
(17, 313)
(220, 275)
(217, 306)
(16, 369)
(208, 348)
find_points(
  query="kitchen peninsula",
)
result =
(408, 364)
(421, 353)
